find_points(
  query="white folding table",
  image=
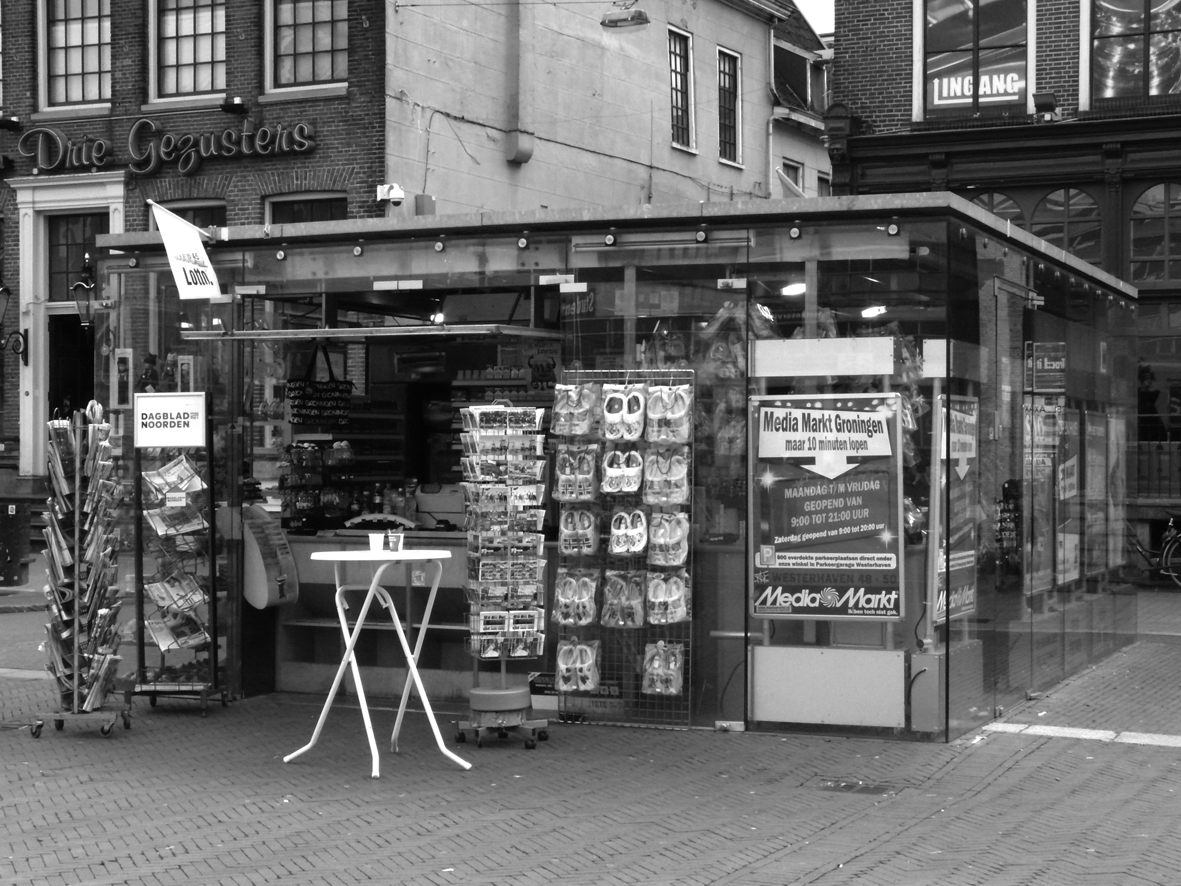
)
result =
(385, 559)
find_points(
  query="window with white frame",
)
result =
(1134, 49)
(975, 57)
(78, 52)
(729, 106)
(190, 47)
(309, 42)
(680, 67)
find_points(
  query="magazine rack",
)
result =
(82, 638)
(176, 603)
(504, 487)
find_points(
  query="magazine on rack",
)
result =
(176, 521)
(180, 631)
(102, 677)
(179, 592)
(179, 475)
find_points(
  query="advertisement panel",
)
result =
(826, 498)
(956, 570)
(1095, 492)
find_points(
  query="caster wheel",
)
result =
(502, 734)
(152, 700)
(479, 743)
(59, 725)
(225, 702)
(461, 738)
(35, 730)
(543, 735)
(126, 721)
(106, 730)
(530, 744)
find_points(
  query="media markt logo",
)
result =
(853, 601)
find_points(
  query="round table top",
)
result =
(383, 556)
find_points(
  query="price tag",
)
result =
(175, 499)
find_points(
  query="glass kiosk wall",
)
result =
(908, 428)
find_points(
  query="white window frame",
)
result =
(157, 101)
(918, 30)
(737, 56)
(691, 147)
(271, 92)
(786, 163)
(44, 109)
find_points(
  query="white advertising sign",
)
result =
(169, 419)
(191, 269)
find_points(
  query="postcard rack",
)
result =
(176, 578)
(504, 489)
(82, 637)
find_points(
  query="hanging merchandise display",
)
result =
(623, 598)
(504, 490)
(82, 637)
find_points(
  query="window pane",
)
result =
(678, 57)
(1151, 202)
(1002, 23)
(1118, 17)
(1002, 76)
(1143, 271)
(1148, 238)
(1164, 71)
(1164, 16)
(727, 106)
(949, 81)
(1118, 67)
(949, 25)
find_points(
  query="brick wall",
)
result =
(1057, 61)
(872, 62)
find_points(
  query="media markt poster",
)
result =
(827, 502)
(960, 478)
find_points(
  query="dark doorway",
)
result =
(71, 365)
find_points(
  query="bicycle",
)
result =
(1166, 561)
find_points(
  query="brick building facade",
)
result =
(1081, 152)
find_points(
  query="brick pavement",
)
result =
(186, 799)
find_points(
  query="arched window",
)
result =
(1001, 205)
(1156, 234)
(1069, 219)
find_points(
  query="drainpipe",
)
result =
(518, 147)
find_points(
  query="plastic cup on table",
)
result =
(395, 540)
(376, 541)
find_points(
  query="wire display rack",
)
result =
(623, 593)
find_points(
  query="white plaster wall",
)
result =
(596, 100)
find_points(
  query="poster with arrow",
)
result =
(958, 479)
(827, 500)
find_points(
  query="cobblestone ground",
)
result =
(186, 799)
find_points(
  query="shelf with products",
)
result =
(177, 581)
(82, 636)
(624, 589)
(505, 494)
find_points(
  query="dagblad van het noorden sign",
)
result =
(167, 419)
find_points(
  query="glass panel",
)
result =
(1148, 238)
(1164, 65)
(1164, 16)
(1118, 67)
(1002, 23)
(1118, 17)
(949, 25)
(1002, 76)
(1151, 202)
(949, 81)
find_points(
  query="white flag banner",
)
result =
(191, 268)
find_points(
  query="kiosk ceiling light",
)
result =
(873, 311)
(794, 289)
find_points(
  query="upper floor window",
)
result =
(1069, 219)
(311, 42)
(1135, 49)
(1156, 234)
(307, 208)
(975, 57)
(190, 47)
(680, 65)
(1001, 205)
(78, 51)
(729, 106)
(202, 214)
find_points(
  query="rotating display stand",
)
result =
(82, 637)
(504, 487)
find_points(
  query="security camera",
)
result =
(391, 192)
